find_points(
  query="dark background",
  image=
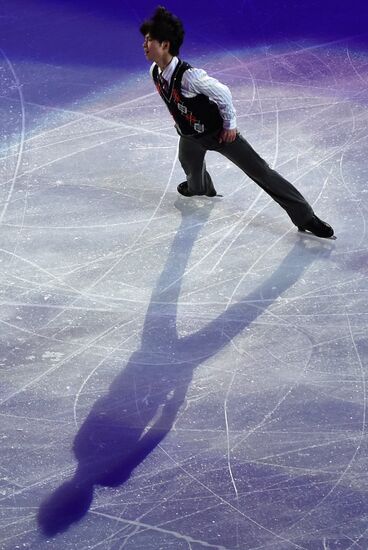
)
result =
(106, 32)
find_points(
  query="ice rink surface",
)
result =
(183, 373)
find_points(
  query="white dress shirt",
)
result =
(197, 81)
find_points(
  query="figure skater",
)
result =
(205, 119)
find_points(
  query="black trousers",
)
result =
(192, 150)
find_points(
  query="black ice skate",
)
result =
(318, 228)
(183, 190)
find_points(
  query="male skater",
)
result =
(205, 119)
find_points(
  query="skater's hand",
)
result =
(227, 136)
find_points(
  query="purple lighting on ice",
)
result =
(180, 373)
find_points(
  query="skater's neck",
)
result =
(164, 61)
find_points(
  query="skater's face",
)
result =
(155, 50)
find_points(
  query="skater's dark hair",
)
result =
(164, 26)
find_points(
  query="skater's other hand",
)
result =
(228, 136)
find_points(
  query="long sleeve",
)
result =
(197, 81)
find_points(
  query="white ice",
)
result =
(128, 310)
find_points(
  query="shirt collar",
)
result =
(169, 70)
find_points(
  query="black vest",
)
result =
(194, 116)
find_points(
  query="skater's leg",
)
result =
(282, 191)
(191, 157)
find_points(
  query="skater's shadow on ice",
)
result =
(142, 403)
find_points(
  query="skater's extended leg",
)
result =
(282, 191)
